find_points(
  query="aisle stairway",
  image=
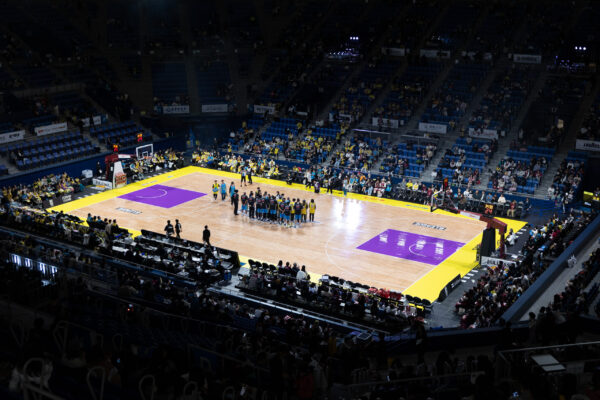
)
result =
(569, 143)
(504, 143)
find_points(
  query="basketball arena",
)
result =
(381, 242)
(299, 200)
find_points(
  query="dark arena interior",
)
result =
(294, 200)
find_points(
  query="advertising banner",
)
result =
(589, 145)
(434, 53)
(432, 128)
(483, 133)
(264, 109)
(184, 109)
(102, 182)
(527, 58)
(489, 261)
(50, 129)
(214, 108)
(392, 123)
(98, 120)
(12, 136)
(394, 51)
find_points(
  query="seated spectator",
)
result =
(501, 285)
(46, 188)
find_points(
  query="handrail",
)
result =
(63, 87)
(178, 317)
(190, 389)
(163, 313)
(358, 387)
(399, 135)
(301, 311)
(19, 333)
(32, 392)
(556, 346)
(102, 373)
(225, 357)
(405, 380)
(60, 334)
(152, 388)
(74, 247)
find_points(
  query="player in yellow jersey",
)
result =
(312, 207)
(292, 209)
(279, 199)
(304, 208)
(215, 189)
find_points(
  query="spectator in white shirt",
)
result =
(302, 275)
(512, 238)
(572, 261)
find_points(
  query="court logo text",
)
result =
(424, 225)
(128, 210)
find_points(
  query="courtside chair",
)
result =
(427, 306)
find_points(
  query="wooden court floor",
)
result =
(328, 246)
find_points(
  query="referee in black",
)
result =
(178, 229)
(169, 229)
(206, 235)
(235, 199)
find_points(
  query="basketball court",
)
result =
(380, 242)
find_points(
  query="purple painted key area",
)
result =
(410, 246)
(162, 196)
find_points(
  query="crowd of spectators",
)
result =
(97, 235)
(501, 103)
(306, 148)
(407, 91)
(399, 159)
(358, 154)
(550, 115)
(511, 174)
(462, 175)
(458, 160)
(190, 260)
(355, 181)
(179, 100)
(362, 91)
(559, 318)
(574, 298)
(450, 102)
(46, 188)
(349, 104)
(258, 349)
(566, 181)
(590, 128)
(501, 285)
(167, 159)
(259, 166)
(331, 295)
(310, 149)
(292, 353)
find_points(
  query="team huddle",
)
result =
(272, 208)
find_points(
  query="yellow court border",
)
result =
(426, 287)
